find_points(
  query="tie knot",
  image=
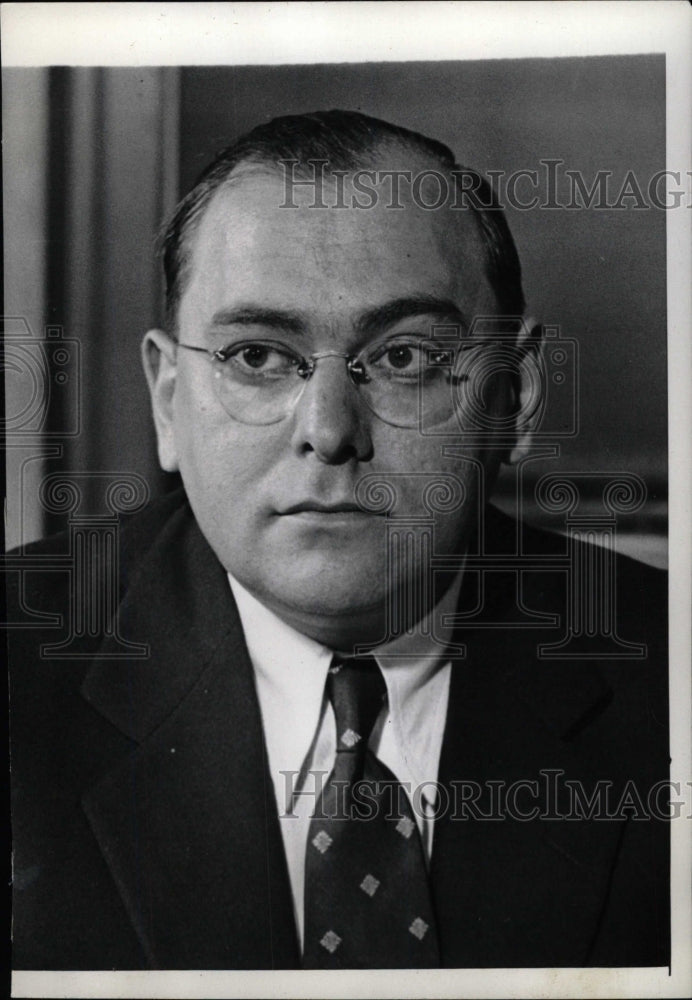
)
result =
(356, 690)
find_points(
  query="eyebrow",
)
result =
(275, 319)
(385, 315)
(368, 322)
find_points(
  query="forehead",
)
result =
(250, 246)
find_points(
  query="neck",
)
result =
(364, 626)
(343, 632)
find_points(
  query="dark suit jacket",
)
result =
(144, 820)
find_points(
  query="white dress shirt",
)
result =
(299, 727)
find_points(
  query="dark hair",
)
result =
(346, 140)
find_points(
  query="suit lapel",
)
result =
(187, 822)
(511, 892)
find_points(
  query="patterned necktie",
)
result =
(367, 896)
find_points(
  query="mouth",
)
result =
(323, 507)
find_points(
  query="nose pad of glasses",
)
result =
(307, 367)
(357, 371)
(354, 370)
(360, 380)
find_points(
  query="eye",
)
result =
(260, 357)
(397, 358)
(400, 356)
(256, 356)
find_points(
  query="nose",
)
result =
(330, 420)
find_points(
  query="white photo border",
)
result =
(158, 34)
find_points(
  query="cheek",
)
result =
(222, 462)
(439, 478)
(194, 411)
(227, 469)
(417, 462)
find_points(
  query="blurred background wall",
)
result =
(95, 158)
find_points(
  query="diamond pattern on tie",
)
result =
(331, 941)
(370, 884)
(418, 928)
(405, 827)
(322, 841)
(352, 836)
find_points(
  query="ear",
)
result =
(159, 361)
(529, 397)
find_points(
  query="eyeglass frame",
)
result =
(306, 368)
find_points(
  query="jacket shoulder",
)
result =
(549, 557)
(35, 574)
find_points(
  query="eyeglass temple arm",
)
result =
(202, 350)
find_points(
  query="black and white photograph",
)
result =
(347, 437)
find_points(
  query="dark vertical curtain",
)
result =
(112, 176)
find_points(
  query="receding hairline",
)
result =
(251, 168)
(341, 141)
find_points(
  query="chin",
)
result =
(333, 591)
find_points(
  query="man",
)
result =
(330, 756)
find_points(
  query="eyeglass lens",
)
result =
(403, 384)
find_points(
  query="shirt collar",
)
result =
(417, 672)
(291, 671)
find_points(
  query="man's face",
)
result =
(276, 501)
